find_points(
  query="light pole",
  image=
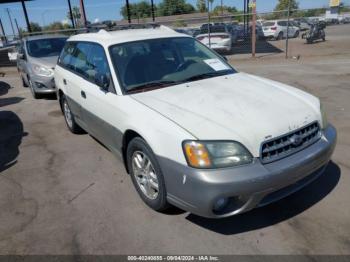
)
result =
(8, 12)
(287, 40)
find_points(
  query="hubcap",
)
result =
(145, 175)
(67, 114)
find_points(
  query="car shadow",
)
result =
(11, 133)
(4, 89)
(276, 212)
(262, 46)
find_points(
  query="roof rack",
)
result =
(97, 27)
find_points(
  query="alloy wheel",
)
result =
(145, 175)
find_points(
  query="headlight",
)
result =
(42, 71)
(215, 154)
(324, 116)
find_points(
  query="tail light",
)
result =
(274, 28)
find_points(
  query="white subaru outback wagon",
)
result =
(192, 131)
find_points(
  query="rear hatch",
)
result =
(217, 35)
(269, 27)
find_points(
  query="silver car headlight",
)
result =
(324, 116)
(216, 154)
(42, 71)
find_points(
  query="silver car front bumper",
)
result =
(246, 187)
(43, 85)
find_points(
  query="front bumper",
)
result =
(248, 186)
(43, 85)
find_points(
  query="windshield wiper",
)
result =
(150, 86)
(205, 75)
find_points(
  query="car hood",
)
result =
(238, 107)
(49, 62)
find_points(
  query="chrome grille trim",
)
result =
(285, 145)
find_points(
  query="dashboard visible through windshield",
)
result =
(156, 63)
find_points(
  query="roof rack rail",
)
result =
(96, 27)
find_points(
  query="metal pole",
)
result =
(222, 8)
(71, 13)
(3, 31)
(254, 28)
(26, 16)
(8, 12)
(19, 32)
(244, 14)
(82, 11)
(248, 16)
(287, 40)
(152, 10)
(128, 11)
(209, 23)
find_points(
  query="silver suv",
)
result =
(36, 60)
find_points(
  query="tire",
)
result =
(34, 94)
(24, 82)
(296, 34)
(280, 36)
(146, 174)
(69, 118)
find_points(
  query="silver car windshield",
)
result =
(157, 63)
(45, 47)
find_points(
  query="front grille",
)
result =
(290, 143)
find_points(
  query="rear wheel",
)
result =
(69, 117)
(146, 174)
(296, 34)
(280, 36)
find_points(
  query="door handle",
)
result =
(64, 81)
(83, 95)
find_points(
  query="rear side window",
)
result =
(97, 63)
(282, 23)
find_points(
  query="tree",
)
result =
(35, 27)
(138, 10)
(76, 15)
(284, 4)
(229, 9)
(202, 6)
(57, 26)
(174, 7)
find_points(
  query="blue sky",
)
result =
(47, 11)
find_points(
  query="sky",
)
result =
(47, 11)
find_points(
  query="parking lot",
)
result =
(66, 194)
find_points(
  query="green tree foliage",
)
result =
(283, 5)
(57, 26)
(76, 15)
(228, 9)
(202, 6)
(138, 10)
(174, 7)
(35, 27)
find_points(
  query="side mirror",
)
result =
(102, 80)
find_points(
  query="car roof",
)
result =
(108, 38)
(38, 37)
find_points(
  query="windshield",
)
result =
(155, 63)
(45, 47)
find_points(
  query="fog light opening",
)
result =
(220, 204)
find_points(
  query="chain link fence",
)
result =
(225, 29)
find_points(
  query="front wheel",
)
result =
(296, 34)
(146, 174)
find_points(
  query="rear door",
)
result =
(74, 62)
(100, 107)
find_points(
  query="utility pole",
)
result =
(222, 8)
(128, 11)
(287, 40)
(8, 12)
(71, 13)
(19, 32)
(209, 23)
(3, 32)
(152, 10)
(82, 11)
(253, 6)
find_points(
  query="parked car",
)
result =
(191, 130)
(221, 39)
(37, 57)
(302, 23)
(277, 29)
